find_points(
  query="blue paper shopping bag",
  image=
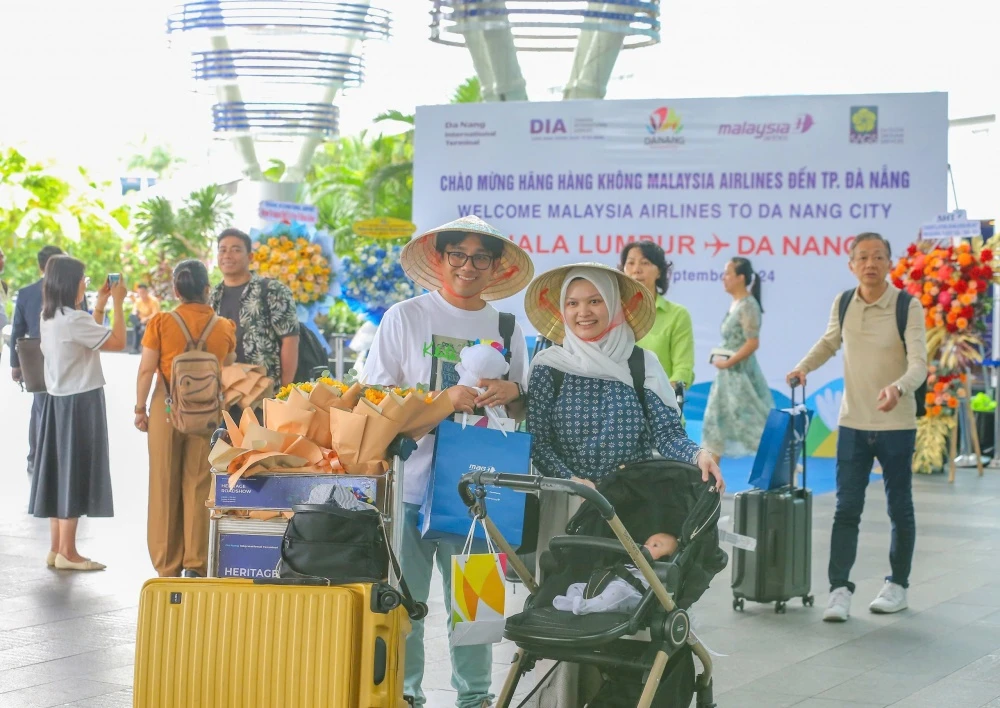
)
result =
(458, 451)
(780, 447)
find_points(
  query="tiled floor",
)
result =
(67, 639)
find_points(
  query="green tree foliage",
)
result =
(40, 206)
(171, 235)
(158, 159)
(362, 177)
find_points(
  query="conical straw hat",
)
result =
(422, 262)
(542, 306)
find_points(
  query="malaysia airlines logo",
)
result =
(769, 131)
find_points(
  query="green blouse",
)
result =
(672, 340)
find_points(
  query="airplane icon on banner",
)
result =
(718, 244)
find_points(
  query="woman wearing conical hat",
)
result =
(463, 264)
(595, 403)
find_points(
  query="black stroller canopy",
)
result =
(663, 496)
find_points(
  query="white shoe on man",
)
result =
(838, 609)
(892, 598)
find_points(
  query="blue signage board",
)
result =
(248, 555)
(283, 491)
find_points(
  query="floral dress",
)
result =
(740, 399)
(594, 426)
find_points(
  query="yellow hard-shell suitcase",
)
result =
(214, 643)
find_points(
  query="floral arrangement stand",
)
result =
(951, 282)
(964, 404)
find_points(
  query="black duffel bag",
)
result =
(325, 541)
(328, 544)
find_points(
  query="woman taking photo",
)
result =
(584, 412)
(740, 400)
(72, 461)
(671, 337)
(179, 475)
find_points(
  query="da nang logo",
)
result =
(664, 127)
(864, 124)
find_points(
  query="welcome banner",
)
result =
(784, 181)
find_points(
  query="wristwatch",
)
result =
(520, 392)
(900, 389)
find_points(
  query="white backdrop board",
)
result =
(784, 181)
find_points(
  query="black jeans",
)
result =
(856, 452)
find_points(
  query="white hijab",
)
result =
(606, 358)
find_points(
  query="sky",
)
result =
(81, 80)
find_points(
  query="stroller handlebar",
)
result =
(531, 483)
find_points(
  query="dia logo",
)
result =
(547, 125)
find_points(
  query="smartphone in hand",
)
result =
(113, 279)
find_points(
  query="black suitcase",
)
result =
(781, 521)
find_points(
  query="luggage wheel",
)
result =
(808, 600)
(779, 608)
(738, 604)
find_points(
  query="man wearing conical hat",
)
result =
(463, 264)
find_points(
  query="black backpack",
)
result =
(313, 360)
(312, 356)
(902, 314)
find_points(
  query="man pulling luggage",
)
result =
(882, 333)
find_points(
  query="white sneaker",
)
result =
(891, 599)
(838, 609)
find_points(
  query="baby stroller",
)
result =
(645, 655)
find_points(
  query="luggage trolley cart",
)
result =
(241, 547)
(268, 641)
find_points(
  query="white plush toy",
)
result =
(483, 360)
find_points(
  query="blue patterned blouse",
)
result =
(596, 425)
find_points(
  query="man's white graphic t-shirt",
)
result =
(418, 344)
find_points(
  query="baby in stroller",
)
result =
(643, 654)
(610, 590)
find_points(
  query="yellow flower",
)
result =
(864, 120)
(273, 242)
(309, 287)
(303, 299)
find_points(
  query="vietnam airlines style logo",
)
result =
(664, 127)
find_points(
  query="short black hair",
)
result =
(492, 244)
(655, 255)
(232, 232)
(871, 236)
(144, 285)
(45, 254)
(62, 284)
(191, 281)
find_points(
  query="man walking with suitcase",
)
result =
(885, 363)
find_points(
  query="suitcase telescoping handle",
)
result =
(795, 382)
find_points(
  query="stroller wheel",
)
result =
(808, 600)
(779, 607)
(738, 604)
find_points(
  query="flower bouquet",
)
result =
(373, 280)
(326, 426)
(951, 283)
(289, 254)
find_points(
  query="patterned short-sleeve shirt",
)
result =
(264, 323)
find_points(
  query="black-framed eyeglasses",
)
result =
(480, 261)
